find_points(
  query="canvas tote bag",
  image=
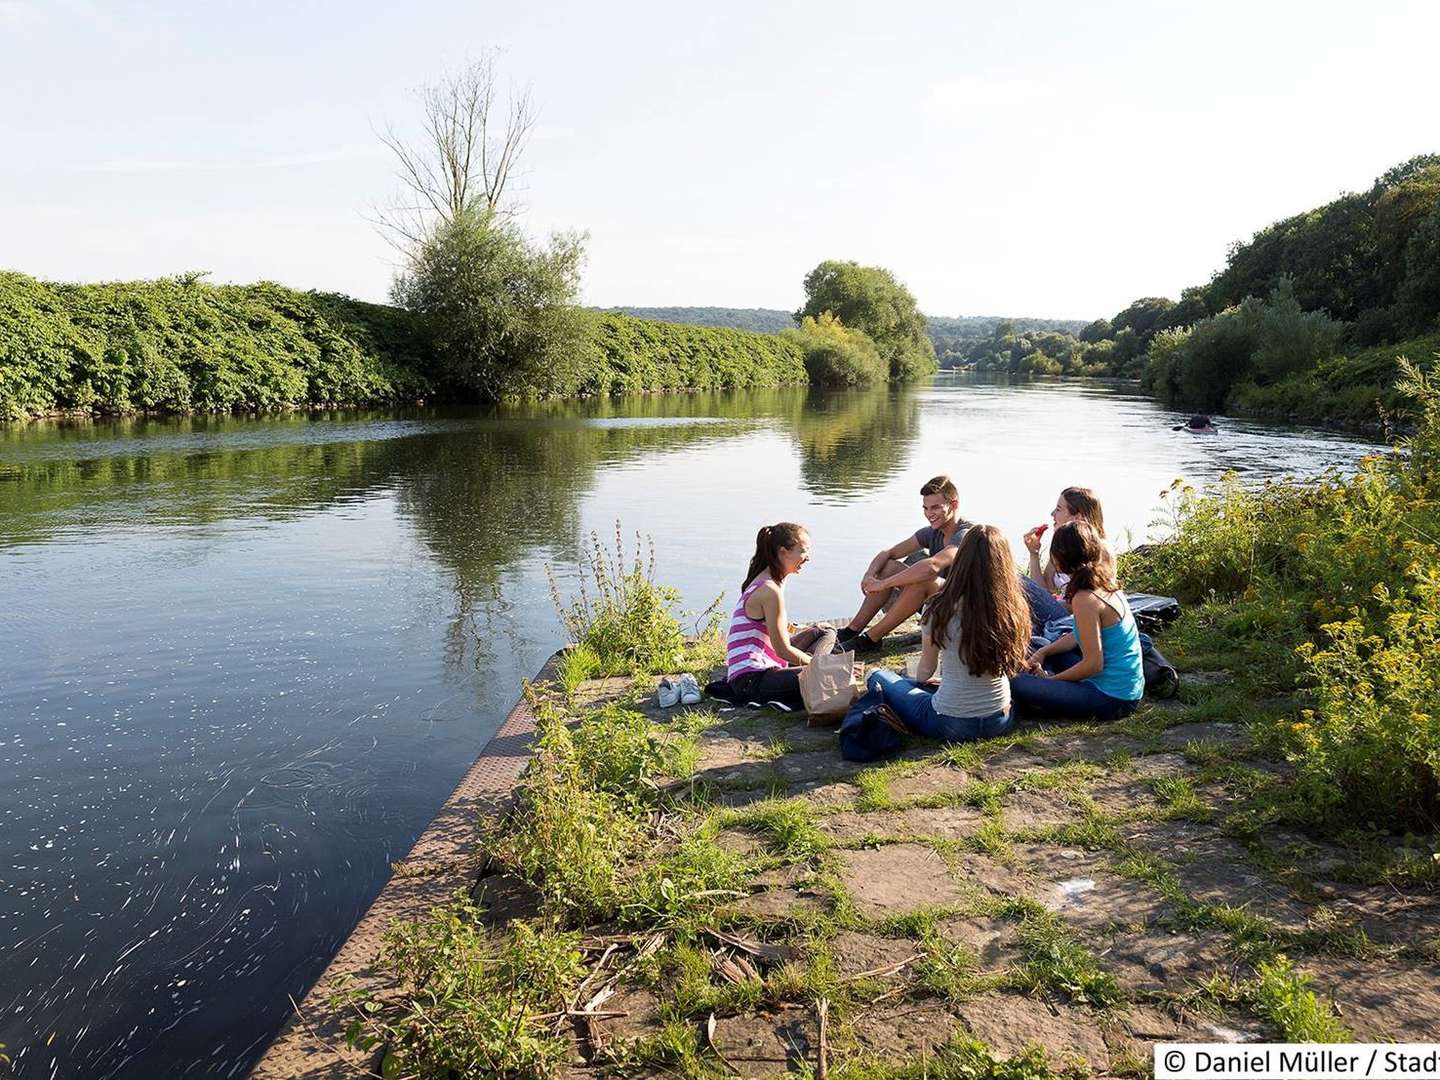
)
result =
(828, 685)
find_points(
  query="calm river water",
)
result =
(243, 661)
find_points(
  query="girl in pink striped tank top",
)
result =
(763, 659)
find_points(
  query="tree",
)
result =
(498, 309)
(836, 355)
(1142, 316)
(869, 298)
(463, 161)
(1419, 299)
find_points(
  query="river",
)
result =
(244, 660)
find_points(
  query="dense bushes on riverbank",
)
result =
(1270, 333)
(1331, 590)
(629, 355)
(180, 345)
(1353, 390)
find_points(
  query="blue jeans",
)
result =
(1034, 695)
(916, 708)
(1044, 608)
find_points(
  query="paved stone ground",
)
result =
(959, 891)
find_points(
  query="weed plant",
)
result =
(1330, 589)
(622, 619)
(1283, 996)
(470, 1002)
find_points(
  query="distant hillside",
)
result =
(764, 320)
(950, 335)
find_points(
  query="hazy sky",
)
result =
(1056, 159)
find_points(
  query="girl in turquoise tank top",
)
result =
(1108, 680)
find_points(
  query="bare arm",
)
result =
(905, 547)
(1086, 606)
(1044, 575)
(772, 603)
(922, 573)
(929, 656)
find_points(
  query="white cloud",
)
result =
(963, 95)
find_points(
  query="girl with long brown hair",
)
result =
(1108, 680)
(763, 659)
(980, 624)
(1074, 504)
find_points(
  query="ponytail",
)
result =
(768, 542)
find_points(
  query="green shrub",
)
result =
(180, 344)
(1283, 996)
(626, 355)
(870, 299)
(566, 836)
(1257, 341)
(620, 614)
(1358, 389)
(467, 1004)
(498, 310)
(836, 355)
(1348, 570)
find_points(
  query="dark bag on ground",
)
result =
(864, 735)
(1153, 613)
(1161, 678)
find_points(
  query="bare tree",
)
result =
(464, 159)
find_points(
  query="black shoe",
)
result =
(845, 634)
(864, 645)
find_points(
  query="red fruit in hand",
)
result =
(1040, 529)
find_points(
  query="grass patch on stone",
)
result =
(789, 824)
(1055, 961)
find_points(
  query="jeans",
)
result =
(1043, 607)
(916, 708)
(1066, 700)
(781, 686)
(1034, 695)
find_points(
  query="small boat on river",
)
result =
(1198, 425)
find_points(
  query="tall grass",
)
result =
(621, 619)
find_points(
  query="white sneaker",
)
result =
(689, 690)
(668, 693)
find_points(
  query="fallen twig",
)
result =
(348, 1059)
(880, 972)
(710, 1038)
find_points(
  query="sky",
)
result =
(1048, 159)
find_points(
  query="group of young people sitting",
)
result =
(1060, 641)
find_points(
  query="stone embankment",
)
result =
(1088, 891)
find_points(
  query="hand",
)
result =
(1035, 663)
(1032, 539)
(872, 585)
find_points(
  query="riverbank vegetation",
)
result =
(870, 299)
(1328, 593)
(1305, 321)
(181, 345)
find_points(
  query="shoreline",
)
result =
(444, 858)
(1078, 877)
